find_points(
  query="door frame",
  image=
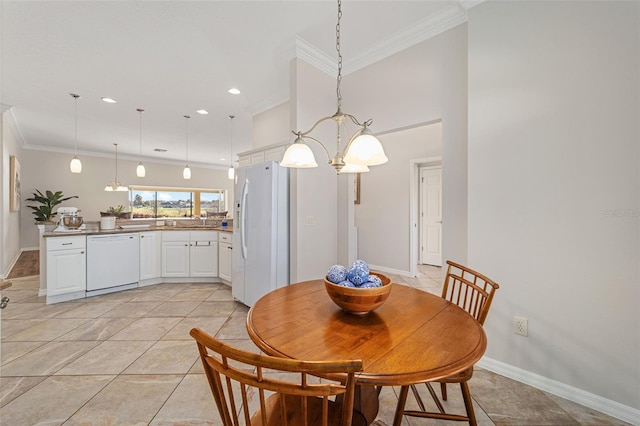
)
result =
(414, 206)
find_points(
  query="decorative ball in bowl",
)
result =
(358, 299)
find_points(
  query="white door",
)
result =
(431, 215)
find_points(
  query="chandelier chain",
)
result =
(339, 79)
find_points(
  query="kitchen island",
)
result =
(82, 263)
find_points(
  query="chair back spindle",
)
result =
(263, 390)
(469, 289)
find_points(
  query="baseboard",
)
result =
(6, 273)
(596, 402)
(389, 270)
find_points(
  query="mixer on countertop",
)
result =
(69, 220)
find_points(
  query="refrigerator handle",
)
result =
(243, 219)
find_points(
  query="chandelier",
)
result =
(363, 149)
(116, 185)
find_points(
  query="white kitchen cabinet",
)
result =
(175, 258)
(244, 160)
(203, 254)
(225, 247)
(257, 157)
(269, 153)
(66, 268)
(150, 255)
(190, 254)
(275, 154)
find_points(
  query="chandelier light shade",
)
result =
(116, 185)
(362, 150)
(186, 173)
(75, 166)
(231, 173)
(140, 171)
(299, 156)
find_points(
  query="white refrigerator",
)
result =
(260, 231)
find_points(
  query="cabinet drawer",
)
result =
(66, 243)
(203, 236)
(175, 236)
(226, 237)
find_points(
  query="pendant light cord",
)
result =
(187, 137)
(231, 117)
(140, 110)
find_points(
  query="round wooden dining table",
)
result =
(413, 337)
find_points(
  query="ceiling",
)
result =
(172, 58)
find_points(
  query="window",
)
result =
(151, 202)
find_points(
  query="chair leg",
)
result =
(402, 400)
(443, 390)
(468, 403)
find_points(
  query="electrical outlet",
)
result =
(520, 326)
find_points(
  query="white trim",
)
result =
(422, 30)
(12, 120)
(414, 196)
(390, 270)
(579, 396)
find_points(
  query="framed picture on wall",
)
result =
(356, 188)
(14, 183)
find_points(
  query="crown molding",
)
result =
(12, 120)
(4, 107)
(422, 30)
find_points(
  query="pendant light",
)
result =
(140, 171)
(362, 150)
(75, 166)
(186, 173)
(231, 173)
(116, 185)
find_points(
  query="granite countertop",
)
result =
(95, 230)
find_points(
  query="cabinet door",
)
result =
(224, 261)
(275, 154)
(204, 259)
(66, 271)
(175, 259)
(244, 160)
(257, 157)
(150, 255)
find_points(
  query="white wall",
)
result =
(48, 170)
(553, 155)
(383, 215)
(313, 191)
(10, 232)
(272, 126)
(424, 83)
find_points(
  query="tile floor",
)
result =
(127, 358)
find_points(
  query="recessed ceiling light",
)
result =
(109, 100)
(234, 91)
(160, 150)
(202, 111)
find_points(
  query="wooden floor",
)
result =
(28, 264)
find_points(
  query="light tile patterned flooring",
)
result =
(127, 358)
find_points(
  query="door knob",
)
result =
(4, 302)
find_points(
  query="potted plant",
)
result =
(43, 212)
(117, 212)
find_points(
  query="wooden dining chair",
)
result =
(473, 292)
(284, 392)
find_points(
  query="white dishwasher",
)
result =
(113, 260)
